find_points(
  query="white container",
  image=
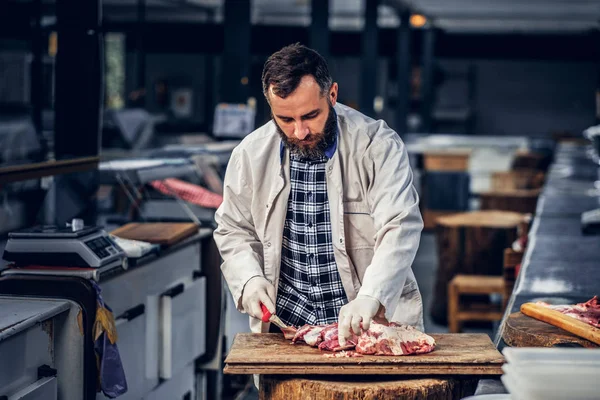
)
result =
(537, 355)
(552, 373)
(524, 389)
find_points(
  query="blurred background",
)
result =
(101, 100)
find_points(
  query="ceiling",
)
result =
(514, 16)
(459, 16)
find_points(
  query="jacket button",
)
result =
(341, 240)
(268, 244)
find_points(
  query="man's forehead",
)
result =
(306, 97)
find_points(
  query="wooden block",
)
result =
(164, 233)
(523, 331)
(446, 161)
(278, 387)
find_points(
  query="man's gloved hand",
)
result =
(360, 310)
(256, 291)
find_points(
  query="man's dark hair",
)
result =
(285, 68)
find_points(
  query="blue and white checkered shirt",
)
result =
(310, 287)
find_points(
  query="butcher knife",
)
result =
(288, 331)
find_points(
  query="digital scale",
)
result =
(71, 246)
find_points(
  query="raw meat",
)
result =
(310, 334)
(391, 340)
(331, 341)
(395, 340)
(588, 312)
(343, 353)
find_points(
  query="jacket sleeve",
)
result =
(394, 204)
(235, 235)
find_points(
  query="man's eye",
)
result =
(287, 120)
(311, 116)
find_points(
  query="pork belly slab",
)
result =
(381, 340)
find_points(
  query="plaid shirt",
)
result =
(310, 287)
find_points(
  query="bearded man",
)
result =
(320, 220)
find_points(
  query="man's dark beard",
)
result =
(319, 150)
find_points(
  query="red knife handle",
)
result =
(266, 313)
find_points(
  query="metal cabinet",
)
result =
(160, 311)
(183, 326)
(29, 333)
(179, 387)
(43, 389)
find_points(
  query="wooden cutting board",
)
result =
(163, 233)
(523, 331)
(562, 321)
(455, 354)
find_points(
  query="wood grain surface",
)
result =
(273, 387)
(163, 233)
(455, 354)
(523, 331)
(560, 320)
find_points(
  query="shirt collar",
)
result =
(329, 151)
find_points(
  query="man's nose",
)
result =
(301, 130)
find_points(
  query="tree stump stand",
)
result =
(470, 243)
(277, 387)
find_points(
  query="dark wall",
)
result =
(512, 97)
(534, 97)
(178, 70)
(523, 85)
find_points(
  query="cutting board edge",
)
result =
(318, 369)
(383, 361)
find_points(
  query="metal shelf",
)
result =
(23, 172)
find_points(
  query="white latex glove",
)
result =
(256, 291)
(362, 309)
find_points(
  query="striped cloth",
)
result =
(189, 192)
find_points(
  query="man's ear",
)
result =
(333, 92)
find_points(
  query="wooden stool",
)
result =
(516, 200)
(274, 387)
(517, 179)
(472, 284)
(470, 243)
